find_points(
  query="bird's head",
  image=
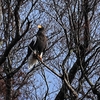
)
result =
(40, 27)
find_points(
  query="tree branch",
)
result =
(60, 76)
(11, 45)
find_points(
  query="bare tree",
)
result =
(78, 41)
(12, 34)
(71, 66)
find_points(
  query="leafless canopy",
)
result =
(71, 66)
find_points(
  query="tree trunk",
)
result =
(8, 88)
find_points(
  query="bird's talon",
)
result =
(39, 58)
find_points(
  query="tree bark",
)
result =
(8, 88)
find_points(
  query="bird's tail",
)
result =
(32, 61)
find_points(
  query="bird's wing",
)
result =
(35, 39)
(46, 45)
(31, 45)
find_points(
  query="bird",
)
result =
(36, 49)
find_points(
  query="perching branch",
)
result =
(60, 76)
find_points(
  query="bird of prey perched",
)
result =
(37, 48)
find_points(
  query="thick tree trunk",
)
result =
(60, 95)
(8, 89)
(71, 75)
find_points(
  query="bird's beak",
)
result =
(39, 26)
